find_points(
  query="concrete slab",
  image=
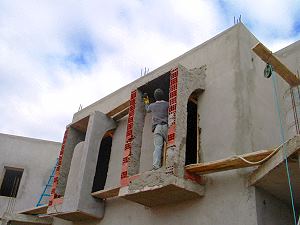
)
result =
(76, 216)
(162, 195)
(36, 210)
(107, 193)
(276, 182)
(154, 188)
(21, 219)
(272, 175)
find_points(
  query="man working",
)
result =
(159, 111)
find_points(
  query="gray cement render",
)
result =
(146, 159)
(116, 155)
(236, 116)
(73, 185)
(217, 141)
(74, 137)
(232, 118)
(83, 166)
(138, 124)
(36, 157)
(272, 211)
(189, 81)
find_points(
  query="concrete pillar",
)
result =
(74, 137)
(188, 82)
(77, 196)
(138, 124)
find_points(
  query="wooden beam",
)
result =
(108, 193)
(291, 147)
(227, 163)
(118, 109)
(121, 114)
(267, 56)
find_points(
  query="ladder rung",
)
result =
(49, 184)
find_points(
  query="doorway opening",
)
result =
(192, 133)
(103, 162)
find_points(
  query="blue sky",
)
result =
(56, 55)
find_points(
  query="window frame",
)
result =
(13, 194)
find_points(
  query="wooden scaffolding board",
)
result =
(267, 56)
(228, 163)
(107, 193)
(118, 109)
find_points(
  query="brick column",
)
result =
(172, 120)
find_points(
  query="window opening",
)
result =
(11, 182)
(103, 162)
(192, 134)
(162, 82)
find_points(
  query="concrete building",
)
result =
(220, 105)
(25, 167)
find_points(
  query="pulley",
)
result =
(268, 71)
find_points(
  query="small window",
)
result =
(11, 182)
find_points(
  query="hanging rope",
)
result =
(275, 92)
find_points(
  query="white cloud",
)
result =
(42, 81)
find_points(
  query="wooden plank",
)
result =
(291, 147)
(118, 109)
(108, 193)
(227, 163)
(121, 114)
(267, 56)
(36, 210)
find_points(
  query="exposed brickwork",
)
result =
(172, 106)
(128, 139)
(57, 170)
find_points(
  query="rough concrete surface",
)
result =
(233, 120)
(78, 194)
(36, 157)
(189, 81)
(236, 116)
(74, 137)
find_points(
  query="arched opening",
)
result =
(192, 132)
(103, 162)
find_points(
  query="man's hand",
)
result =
(146, 99)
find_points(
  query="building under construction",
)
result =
(231, 154)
